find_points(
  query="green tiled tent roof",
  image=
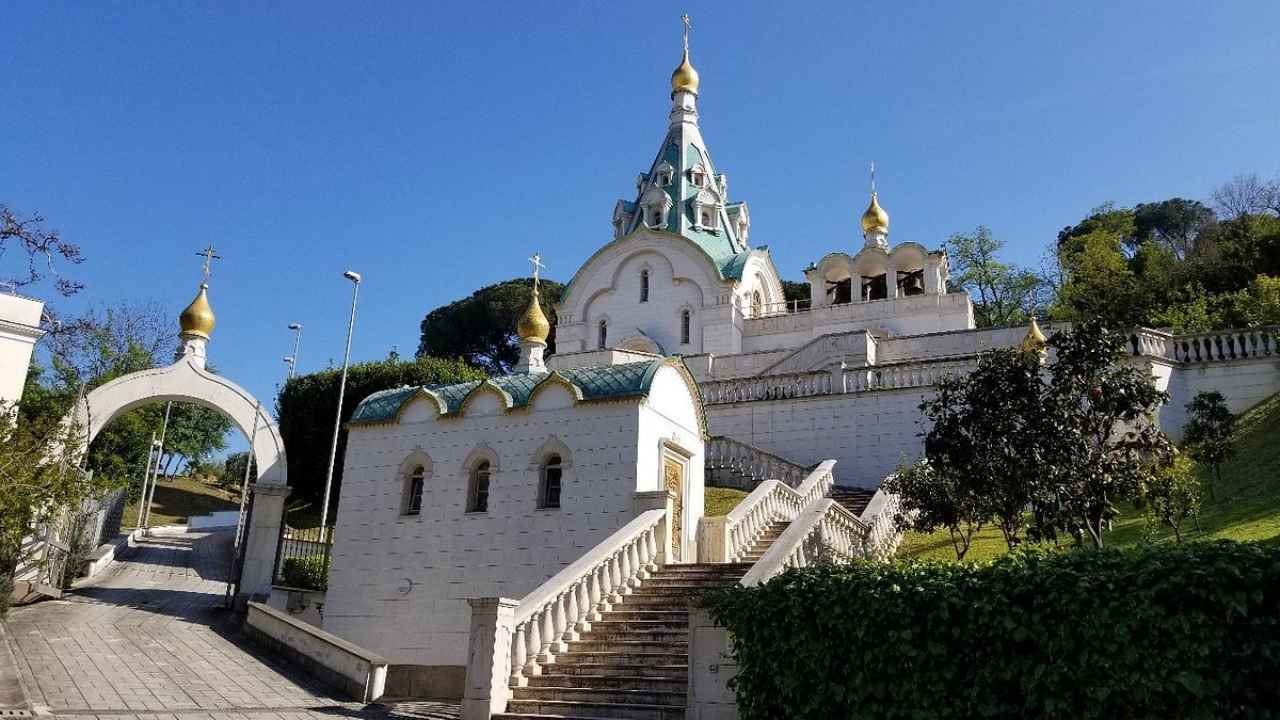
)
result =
(604, 382)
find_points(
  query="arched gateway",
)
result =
(187, 380)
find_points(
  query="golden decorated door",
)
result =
(673, 480)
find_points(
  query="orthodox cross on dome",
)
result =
(687, 25)
(537, 267)
(209, 257)
(873, 177)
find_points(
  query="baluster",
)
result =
(615, 580)
(599, 593)
(559, 624)
(651, 549)
(572, 615)
(519, 654)
(547, 632)
(531, 666)
(637, 562)
(584, 604)
(628, 572)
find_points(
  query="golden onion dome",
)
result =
(198, 318)
(1035, 340)
(533, 324)
(875, 219)
(684, 77)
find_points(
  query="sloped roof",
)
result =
(604, 382)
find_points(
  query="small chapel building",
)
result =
(488, 488)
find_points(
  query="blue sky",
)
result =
(434, 146)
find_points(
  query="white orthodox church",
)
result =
(529, 542)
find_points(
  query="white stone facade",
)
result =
(399, 582)
(19, 331)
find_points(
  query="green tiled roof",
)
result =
(603, 382)
(731, 267)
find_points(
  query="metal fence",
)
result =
(302, 557)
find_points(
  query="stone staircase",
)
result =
(854, 499)
(634, 663)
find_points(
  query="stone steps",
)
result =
(633, 664)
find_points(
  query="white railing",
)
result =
(562, 608)
(726, 456)
(1227, 345)
(892, 376)
(881, 516)
(771, 502)
(768, 387)
(825, 532)
(895, 376)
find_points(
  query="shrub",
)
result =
(1183, 631)
(311, 573)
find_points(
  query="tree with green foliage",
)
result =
(481, 329)
(233, 474)
(1171, 495)
(1208, 432)
(39, 477)
(1003, 294)
(1175, 225)
(307, 405)
(931, 500)
(1102, 441)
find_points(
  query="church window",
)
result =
(644, 286)
(413, 490)
(549, 490)
(602, 337)
(656, 218)
(478, 497)
(685, 322)
(757, 304)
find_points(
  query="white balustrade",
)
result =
(738, 458)
(1227, 345)
(825, 532)
(880, 515)
(562, 608)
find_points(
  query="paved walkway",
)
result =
(149, 638)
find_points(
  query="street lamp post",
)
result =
(355, 278)
(297, 340)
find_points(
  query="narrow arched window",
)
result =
(413, 490)
(757, 304)
(706, 220)
(478, 499)
(602, 336)
(644, 286)
(685, 322)
(552, 477)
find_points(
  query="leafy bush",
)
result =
(311, 573)
(307, 404)
(1183, 631)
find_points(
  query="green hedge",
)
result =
(311, 573)
(1190, 631)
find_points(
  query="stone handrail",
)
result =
(770, 502)
(881, 516)
(562, 607)
(824, 532)
(767, 387)
(893, 376)
(1227, 345)
(727, 453)
(890, 376)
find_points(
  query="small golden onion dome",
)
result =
(533, 324)
(198, 318)
(875, 219)
(684, 77)
(1035, 340)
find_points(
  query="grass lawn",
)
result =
(181, 497)
(1246, 505)
(721, 501)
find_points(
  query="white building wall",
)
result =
(399, 583)
(668, 418)
(19, 331)
(608, 287)
(868, 434)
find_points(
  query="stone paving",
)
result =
(149, 638)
